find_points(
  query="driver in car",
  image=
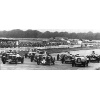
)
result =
(93, 53)
(17, 55)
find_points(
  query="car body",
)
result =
(46, 60)
(12, 58)
(39, 54)
(30, 54)
(68, 58)
(94, 58)
(80, 60)
(63, 54)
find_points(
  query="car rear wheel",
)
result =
(87, 64)
(3, 62)
(22, 61)
(31, 59)
(38, 63)
(53, 62)
(16, 61)
(73, 64)
(84, 64)
(98, 60)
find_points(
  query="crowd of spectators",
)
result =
(7, 44)
(28, 44)
(40, 44)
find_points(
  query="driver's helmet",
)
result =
(77, 55)
(68, 52)
(10, 50)
(73, 56)
(14, 53)
(93, 52)
(44, 57)
(37, 57)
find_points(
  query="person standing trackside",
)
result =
(62, 59)
(57, 57)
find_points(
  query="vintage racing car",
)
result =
(61, 55)
(29, 54)
(94, 58)
(46, 60)
(68, 58)
(12, 58)
(39, 54)
(80, 60)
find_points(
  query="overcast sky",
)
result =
(67, 15)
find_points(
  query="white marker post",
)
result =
(17, 45)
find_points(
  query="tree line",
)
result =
(37, 34)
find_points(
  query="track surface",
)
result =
(28, 65)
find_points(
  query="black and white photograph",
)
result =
(49, 49)
(47, 35)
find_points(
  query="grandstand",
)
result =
(8, 42)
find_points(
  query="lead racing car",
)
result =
(12, 58)
(80, 60)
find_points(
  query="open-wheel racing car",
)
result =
(39, 54)
(68, 58)
(12, 58)
(94, 57)
(80, 60)
(62, 55)
(30, 54)
(46, 60)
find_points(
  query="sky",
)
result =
(52, 15)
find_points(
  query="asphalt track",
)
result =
(28, 65)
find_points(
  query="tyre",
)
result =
(73, 64)
(53, 63)
(87, 64)
(62, 62)
(3, 62)
(31, 59)
(22, 61)
(84, 64)
(98, 60)
(25, 55)
(16, 61)
(38, 63)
